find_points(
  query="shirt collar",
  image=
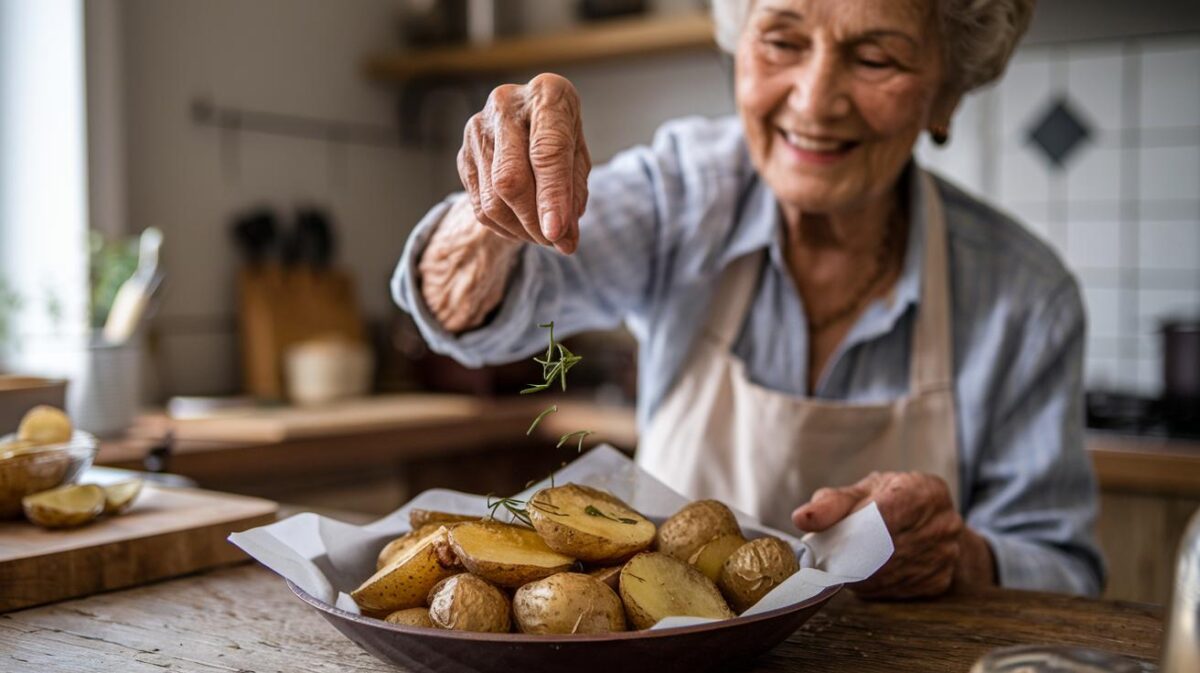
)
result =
(760, 227)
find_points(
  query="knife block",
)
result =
(279, 307)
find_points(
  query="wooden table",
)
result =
(244, 619)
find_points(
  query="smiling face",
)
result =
(833, 94)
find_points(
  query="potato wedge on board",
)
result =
(655, 586)
(406, 581)
(505, 554)
(65, 506)
(589, 524)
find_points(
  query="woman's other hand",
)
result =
(524, 163)
(935, 550)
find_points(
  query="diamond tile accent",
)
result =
(1058, 133)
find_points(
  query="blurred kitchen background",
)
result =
(278, 152)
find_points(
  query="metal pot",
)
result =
(1181, 374)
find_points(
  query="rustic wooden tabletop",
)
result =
(243, 618)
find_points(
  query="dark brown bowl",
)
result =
(694, 649)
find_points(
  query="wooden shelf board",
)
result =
(618, 38)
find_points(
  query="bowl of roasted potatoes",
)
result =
(576, 584)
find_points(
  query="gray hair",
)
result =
(979, 36)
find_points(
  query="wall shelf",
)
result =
(613, 39)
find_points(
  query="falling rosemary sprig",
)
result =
(591, 510)
(580, 433)
(553, 369)
(545, 412)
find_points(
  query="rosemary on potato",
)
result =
(591, 510)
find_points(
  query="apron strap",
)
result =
(732, 299)
(932, 363)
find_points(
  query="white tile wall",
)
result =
(1125, 210)
(1169, 245)
(1170, 85)
(1093, 244)
(1169, 172)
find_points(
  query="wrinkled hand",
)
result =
(524, 163)
(935, 550)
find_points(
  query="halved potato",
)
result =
(505, 554)
(754, 569)
(568, 603)
(694, 526)
(467, 602)
(610, 575)
(119, 496)
(406, 581)
(45, 424)
(655, 586)
(589, 524)
(710, 557)
(392, 550)
(410, 617)
(64, 507)
(419, 518)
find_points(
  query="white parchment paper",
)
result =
(328, 558)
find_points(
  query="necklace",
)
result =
(882, 266)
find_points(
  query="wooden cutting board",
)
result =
(384, 412)
(167, 532)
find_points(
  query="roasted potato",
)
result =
(694, 526)
(710, 557)
(610, 575)
(505, 554)
(119, 496)
(406, 581)
(589, 524)
(65, 507)
(410, 617)
(467, 602)
(655, 585)
(44, 424)
(419, 518)
(568, 603)
(393, 549)
(754, 569)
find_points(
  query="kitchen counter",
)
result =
(244, 618)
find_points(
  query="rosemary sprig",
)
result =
(578, 433)
(591, 510)
(515, 507)
(553, 369)
(545, 412)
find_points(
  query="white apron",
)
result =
(719, 435)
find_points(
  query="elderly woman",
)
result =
(822, 323)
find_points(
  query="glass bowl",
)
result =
(25, 470)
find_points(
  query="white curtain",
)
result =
(43, 183)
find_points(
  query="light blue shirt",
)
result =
(664, 221)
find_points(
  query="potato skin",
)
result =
(568, 603)
(561, 521)
(469, 603)
(610, 575)
(754, 569)
(710, 557)
(410, 617)
(693, 526)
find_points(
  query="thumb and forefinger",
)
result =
(830, 505)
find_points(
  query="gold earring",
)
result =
(940, 133)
